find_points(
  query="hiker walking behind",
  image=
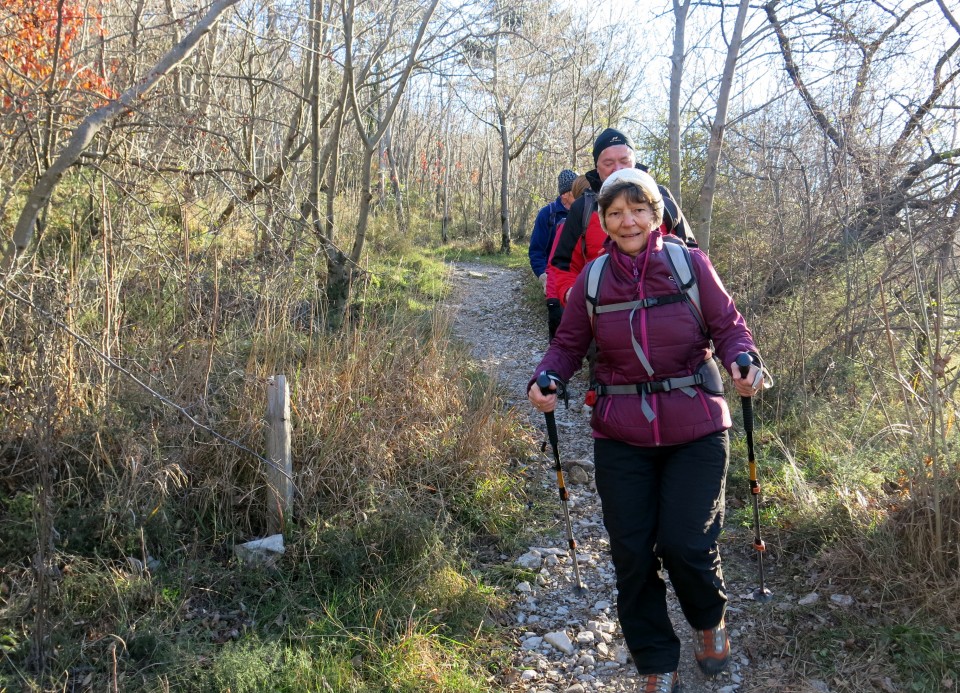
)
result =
(554, 305)
(660, 423)
(541, 239)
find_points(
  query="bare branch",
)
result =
(93, 123)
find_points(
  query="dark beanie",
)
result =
(565, 181)
(610, 138)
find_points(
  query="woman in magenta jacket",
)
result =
(660, 443)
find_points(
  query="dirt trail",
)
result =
(508, 340)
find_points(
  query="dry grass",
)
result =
(402, 456)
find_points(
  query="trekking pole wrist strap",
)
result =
(766, 381)
(558, 383)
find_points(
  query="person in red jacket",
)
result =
(554, 306)
(659, 426)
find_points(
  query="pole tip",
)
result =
(762, 595)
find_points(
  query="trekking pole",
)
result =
(761, 594)
(544, 383)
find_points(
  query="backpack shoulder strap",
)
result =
(594, 275)
(682, 267)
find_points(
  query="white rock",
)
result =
(560, 640)
(529, 675)
(842, 600)
(531, 643)
(811, 598)
(530, 560)
(266, 551)
(587, 660)
(622, 656)
(524, 587)
(602, 605)
(585, 637)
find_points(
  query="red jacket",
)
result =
(669, 336)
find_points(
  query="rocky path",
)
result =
(564, 642)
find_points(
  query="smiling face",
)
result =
(628, 219)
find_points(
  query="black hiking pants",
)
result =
(663, 507)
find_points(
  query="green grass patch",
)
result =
(484, 253)
(926, 657)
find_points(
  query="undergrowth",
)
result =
(119, 516)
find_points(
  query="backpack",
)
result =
(589, 207)
(553, 225)
(680, 265)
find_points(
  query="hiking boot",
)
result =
(712, 649)
(660, 683)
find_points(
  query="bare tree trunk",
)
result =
(445, 222)
(371, 141)
(680, 10)
(340, 267)
(504, 182)
(394, 172)
(705, 203)
(49, 129)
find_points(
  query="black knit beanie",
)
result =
(610, 138)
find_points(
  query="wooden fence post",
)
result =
(279, 477)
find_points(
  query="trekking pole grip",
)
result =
(544, 382)
(743, 363)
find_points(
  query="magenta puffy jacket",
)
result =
(662, 332)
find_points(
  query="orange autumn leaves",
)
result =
(47, 50)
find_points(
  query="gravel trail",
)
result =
(566, 643)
